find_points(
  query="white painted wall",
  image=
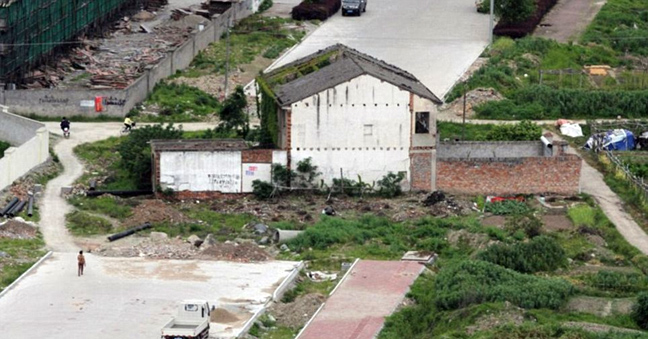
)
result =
(362, 126)
(255, 171)
(201, 171)
(22, 158)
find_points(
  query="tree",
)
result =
(232, 116)
(135, 151)
(509, 11)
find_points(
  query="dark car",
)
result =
(354, 7)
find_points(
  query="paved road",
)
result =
(435, 40)
(53, 207)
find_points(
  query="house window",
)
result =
(422, 123)
(368, 130)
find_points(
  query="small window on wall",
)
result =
(368, 130)
(422, 123)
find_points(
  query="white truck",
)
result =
(191, 322)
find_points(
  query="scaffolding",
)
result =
(31, 31)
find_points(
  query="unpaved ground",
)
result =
(568, 19)
(511, 315)
(598, 328)
(295, 314)
(16, 229)
(601, 307)
(53, 207)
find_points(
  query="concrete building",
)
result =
(355, 116)
(209, 168)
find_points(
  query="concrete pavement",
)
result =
(435, 40)
(133, 297)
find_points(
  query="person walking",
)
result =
(81, 260)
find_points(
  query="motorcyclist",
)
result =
(128, 123)
(65, 124)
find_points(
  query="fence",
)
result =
(638, 183)
(31, 146)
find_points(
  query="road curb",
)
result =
(33, 267)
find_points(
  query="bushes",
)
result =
(316, 9)
(182, 99)
(522, 131)
(265, 5)
(507, 207)
(474, 282)
(539, 254)
(3, 147)
(617, 281)
(520, 22)
(640, 311)
(544, 102)
(389, 185)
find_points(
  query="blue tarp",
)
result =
(612, 140)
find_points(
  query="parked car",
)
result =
(354, 7)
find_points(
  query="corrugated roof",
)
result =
(196, 145)
(344, 64)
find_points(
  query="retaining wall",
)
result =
(30, 146)
(68, 102)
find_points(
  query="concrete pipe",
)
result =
(9, 206)
(30, 207)
(281, 236)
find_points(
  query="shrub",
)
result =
(506, 207)
(232, 116)
(305, 173)
(640, 310)
(316, 9)
(82, 223)
(517, 21)
(522, 131)
(617, 281)
(265, 5)
(527, 223)
(539, 254)
(262, 189)
(389, 185)
(474, 282)
(3, 147)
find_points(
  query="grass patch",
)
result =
(110, 206)
(621, 25)
(307, 286)
(253, 36)
(23, 253)
(83, 224)
(222, 226)
(102, 159)
(181, 103)
(3, 147)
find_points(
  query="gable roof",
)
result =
(332, 66)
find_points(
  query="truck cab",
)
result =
(354, 7)
(191, 321)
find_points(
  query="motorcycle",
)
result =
(66, 132)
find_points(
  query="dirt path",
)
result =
(568, 19)
(52, 206)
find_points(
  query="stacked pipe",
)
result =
(17, 208)
(9, 206)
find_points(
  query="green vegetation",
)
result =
(539, 254)
(22, 254)
(74, 118)
(307, 286)
(3, 147)
(83, 224)
(102, 157)
(522, 131)
(617, 281)
(637, 162)
(620, 25)
(181, 103)
(223, 226)
(108, 205)
(252, 37)
(640, 311)
(507, 207)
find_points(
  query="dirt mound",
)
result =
(154, 211)
(223, 316)
(474, 98)
(14, 229)
(298, 312)
(509, 315)
(243, 252)
(151, 248)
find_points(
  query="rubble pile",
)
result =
(298, 312)
(474, 98)
(17, 229)
(155, 211)
(233, 251)
(442, 205)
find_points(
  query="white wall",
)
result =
(31, 146)
(362, 126)
(255, 171)
(201, 171)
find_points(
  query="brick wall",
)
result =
(501, 176)
(421, 169)
(262, 156)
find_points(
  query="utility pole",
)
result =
(463, 126)
(491, 23)
(227, 53)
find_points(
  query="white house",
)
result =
(355, 116)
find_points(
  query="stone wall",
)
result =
(116, 103)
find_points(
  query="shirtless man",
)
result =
(81, 260)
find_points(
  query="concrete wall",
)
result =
(30, 146)
(362, 127)
(489, 149)
(67, 102)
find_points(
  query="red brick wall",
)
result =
(421, 169)
(263, 156)
(536, 175)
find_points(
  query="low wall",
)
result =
(504, 176)
(489, 149)
(30, 146)
(72, 102)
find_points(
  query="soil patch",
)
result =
(474, 98)
(223, 316)
(154, 211)
(14, 229)
(567, 20)
(601, 307)
(592, 327)
(473, 240)
(298, 312)
(510, 315)
(494, 220)
(557, 222)
(243, 252)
